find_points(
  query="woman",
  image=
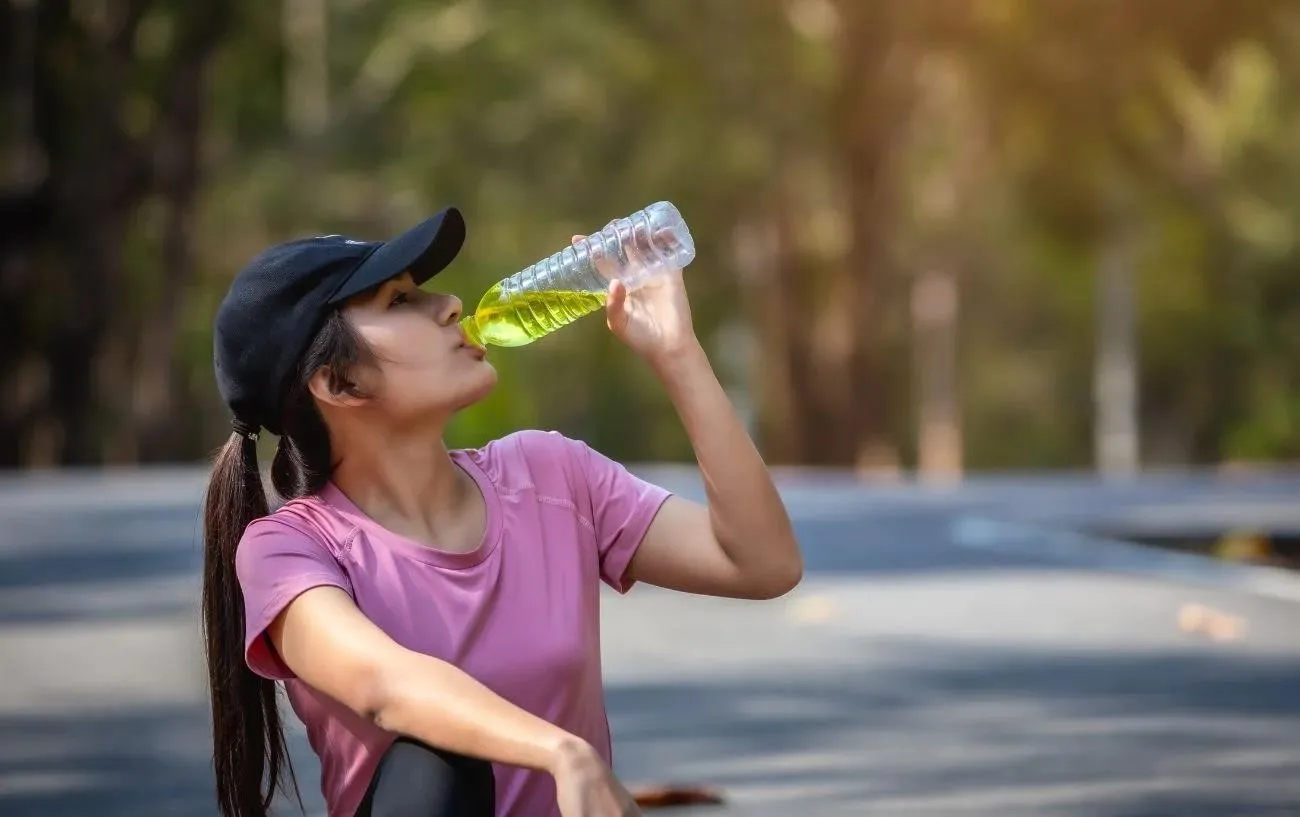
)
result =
(433, 614)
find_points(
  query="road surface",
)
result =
(949, 653)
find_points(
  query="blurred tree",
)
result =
(1081, 100)
(108, 108)
(857, 175)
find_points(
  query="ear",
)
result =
(320, 388)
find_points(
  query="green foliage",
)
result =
(1025, 133)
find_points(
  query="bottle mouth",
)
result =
(469, 327)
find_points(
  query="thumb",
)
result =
(615, 304)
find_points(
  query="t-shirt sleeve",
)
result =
(622, 506)
(275, 564)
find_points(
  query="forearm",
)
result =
(748, 518)
(434, 701)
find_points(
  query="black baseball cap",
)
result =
(280, 300)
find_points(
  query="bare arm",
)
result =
(742, 544)
(331, 646)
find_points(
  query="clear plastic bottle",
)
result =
(558, 290)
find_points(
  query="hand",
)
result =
(655, 319)
(585, 786)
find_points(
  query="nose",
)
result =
(449, 309)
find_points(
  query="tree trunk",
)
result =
(97, 176)
(767, 259)
(156, 425)
(820, 376)
(934, 322)
(69, 351)
(25, 215)
(870, 111)
(1115, 376)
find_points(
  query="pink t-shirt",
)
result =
(520, 613)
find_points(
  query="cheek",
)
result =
(431, 379)
(408, 354)
(404, 348)
(403, 334)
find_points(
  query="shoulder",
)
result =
(312, 517)
(549, 463)
(531, 458)
(303, 529)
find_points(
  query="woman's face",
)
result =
(423, 365)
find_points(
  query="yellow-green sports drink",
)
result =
(522, 316)
(574, 282)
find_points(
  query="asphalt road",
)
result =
(951, 652)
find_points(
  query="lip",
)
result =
(466, 344)
(476, 351)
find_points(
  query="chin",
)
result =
(482, 386)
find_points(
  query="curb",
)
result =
(1001, 536)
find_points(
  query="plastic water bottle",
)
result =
(558, 290)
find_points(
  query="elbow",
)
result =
(787, 581)
(370, 695)
(778, 582)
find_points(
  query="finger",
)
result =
(616, 306)
(617, 296)
(577, 239)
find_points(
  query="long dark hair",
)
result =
(248, 755)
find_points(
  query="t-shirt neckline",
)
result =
(425, 553)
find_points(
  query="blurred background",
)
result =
(945, 235)
(1004, 288)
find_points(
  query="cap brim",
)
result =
(424, 250)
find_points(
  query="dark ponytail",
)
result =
(247, 734)
(249, 757)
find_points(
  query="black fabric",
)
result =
(414, 779)
(243, 429)
(277, 303)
